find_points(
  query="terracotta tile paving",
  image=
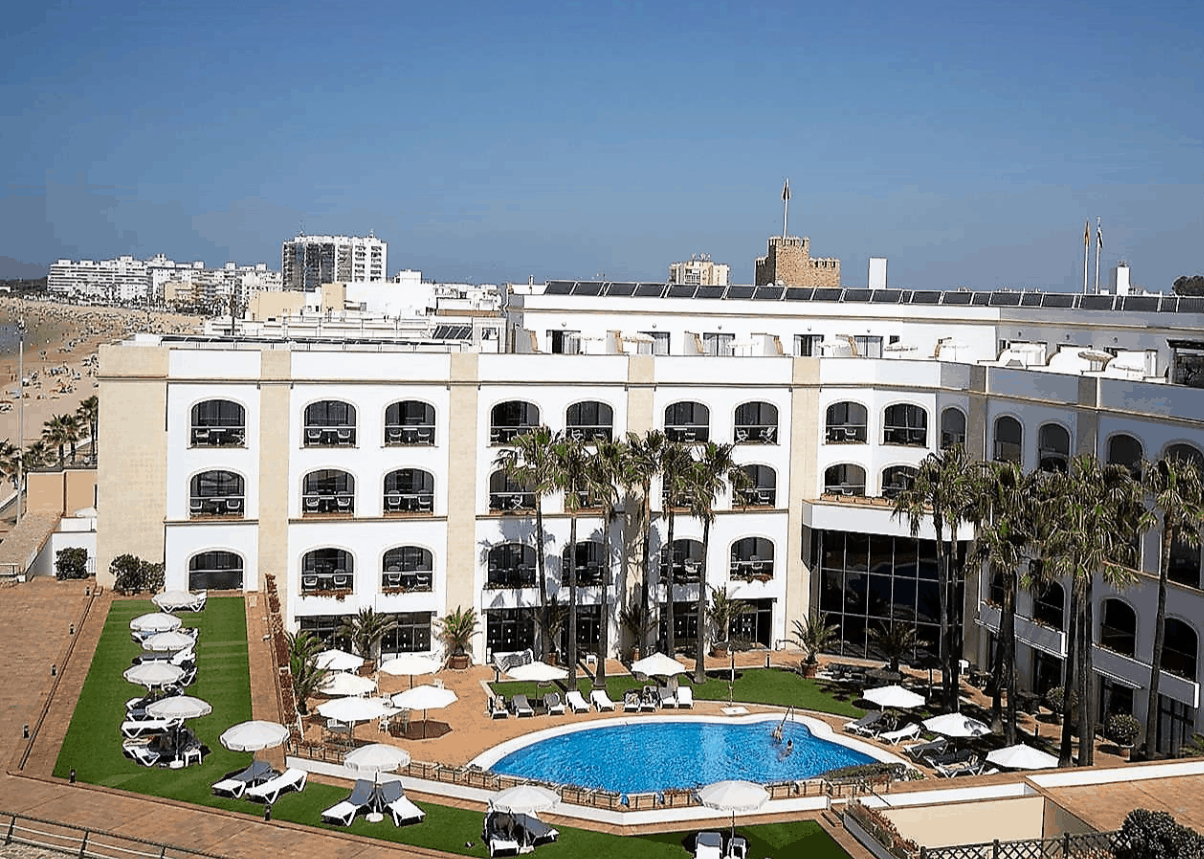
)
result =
(1105, 806)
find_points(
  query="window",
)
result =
(325, 628)
(997, 590)
(897, 478)
(1008, 440)
(507, 494)
(329, 423)
(410, 633)
(687, 562)
(218, 423)
(751, 558)
(1048, 605)
(1179, 649)
(756, 423)
(216, 493)
(660, 341)
(1186, 453)
(717, 344)
(410, 422)
(1184, 566)
(589, 563)
(215, 571)
(762, 490)
(688, 422)
(906, 424)
(408, 568)
(327, 570)
(1127, 451)
(409, 490)
(328, 491)
(807, 345)
(590, 421)
(511, 565)
(868, 347)
(844, 479)
(510, 419)
(953, 428)
(562, 342)
(1053, 447)
(846, 423)
(509, 629)
(1118, 627)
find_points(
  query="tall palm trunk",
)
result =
(543, 578)
(608, 515)
(646, 566)
(1151, 713)
(670, 639)
(572, 643)
(1066, 752)
(1086, 722)
(700, 654)
(942, 585)
(1005, 651)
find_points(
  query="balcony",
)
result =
(511, 502)
(506, 578)
(218, 436)
(333, 582)
(1134, 673)
(591, 434)
(1028, 631)
(409, 435)
(906, 436)
(757, 434)
(403, 503)
(330, 436)
(750, 569)
(846, 434)
(395, 580)
(327, 505)
(228, 505)
(688, 433)
(506, 434)
(684, 572)
(757, 497)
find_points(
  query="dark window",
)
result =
(762, 490)
(218, 423)
(215, 571)
(409, 490)
(1118, 627)
(896, 478)
(325, 628)
(807, 345)
(410, 633)
(751, 558)
(1048, 605)
(1127, 451)
(756, 423)
(329, 423)
(328, 491)
(1186, 453)
(327, 570)
(906, 424)
(512, 418)
(687, 562)
(509, 629)
(507, 494)
(511, 565)
(590, 421)
(847, 422)
(408, 567)
(589, 559)
(688, 422)
(1179, 649)
(216, 493)
(1184, 566)
(1008, 440)
(1053, 447)
(953, 428)
(844, 479)
(996, 593)
(410, 422)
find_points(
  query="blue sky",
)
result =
(967, 142)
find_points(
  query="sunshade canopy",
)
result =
(411, 664)
(155, 622)
(524, 799)
(166, 642)
(377, 757)
(956, 725)
(253, 736)
(733, 795)
(537, 672)
(1022, 757)
(154, 674)
(355, 709)
(893, 696)
(338, 660)
(658, 665)
(424, 698)
(179, 707)
(342, 683)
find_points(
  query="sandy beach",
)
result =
(61, 342)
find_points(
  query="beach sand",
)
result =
(64, 338)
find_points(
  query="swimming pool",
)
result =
(639, 755)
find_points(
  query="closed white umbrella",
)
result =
(894, 696)
(173, 600)
(253, 736)
(658, 665)
(338, 660)
(424, 698)
(524, 799)
(1022, 757)
(155, 622)
(537, 672)
(340, 683)
(411, 664)
(153, 674)
(956, 725)
(179, 707)
(733, 795)
(166, 642)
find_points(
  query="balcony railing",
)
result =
(909, 436)
(215, 505)
(748, 569)
(591, 433)
(757, 497)
(845, 489)
(218, 436)
(324, 504)
(1008, 451)
(949, 439)
(757, 434)
(847, 434)
(502, 578)
(313, 582)
(684, 572)
(688, 433)
(409, 502)
(409, 435)
(330, 436)
(408, 580)
(504, 502)
(507, 434)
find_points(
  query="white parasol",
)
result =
(733, 796)
(377, 758)
(167, 642)
(894, 696)
(179, 707)
(155, 622)
(337, 660)
(253, 736)
(354, 709)
(1022, 757)
(153, 674)
(411, 664)
(424, 698)
(658, 665)
(956, 725)
(340, 683)
(524, 799)
(537, 672)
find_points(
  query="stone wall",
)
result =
(788, 260)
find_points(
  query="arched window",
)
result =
(215, 571)
(410, 422)
(896, 478)
(329, 423)
(216, 493)
(844, 479)
(327, 570)
(1049, 605)
(756, 423)
(687, 561)
(408, 568)
(906, 424)
(589, 560)
(1127, 451)
(847, 423)
(1118, 627)
(511, 565)
(218, 423)
(953, 428)
(1053, 447)
(409, 490)
(688, 422)
(507, 494)
(328, 490)
(590, 421)
(751, 558)
(1186, 453)
(762, 490)
(510, 419)
(1179, 649)
(1009, 440)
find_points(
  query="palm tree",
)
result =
(59, 432)
(813, 634)
(455, 632)
(303, 650)
(37, 455)
(1174, 487)
(676, 466)
(945, 490)
(571, 476)
(712, 472)
(10, 461)
(644, 464)
(723, 612)
(607, 472)
(365, 630)
(895, 641)
(530, 463)
(87, 413)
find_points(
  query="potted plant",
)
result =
(813, 634)
(553, 625)
(637, 624)
(1122, 729)
(1055, 699)
(722, 613)
(455, 632)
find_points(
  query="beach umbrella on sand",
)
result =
(893, 696)
(411, 664)
(424, 698)
(956, 725)
(1022, 757)
(733, 795)
(524, 799)
(153, 674)
(155, 622)
(253, 736)
(338, 660)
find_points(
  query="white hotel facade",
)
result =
(361, 473)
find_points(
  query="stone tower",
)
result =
(788, 261)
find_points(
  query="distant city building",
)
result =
(699, 270)
(307, 262)
(158, 280)
(788, 261)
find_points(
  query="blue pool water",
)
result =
(654, 755)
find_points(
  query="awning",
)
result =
(1116, 678)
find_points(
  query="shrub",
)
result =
(1149, 834)
(71, 564)
(1055, 698)
(132, 574)
(1122, 729)
(866, 772)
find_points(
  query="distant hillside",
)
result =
(14, 269)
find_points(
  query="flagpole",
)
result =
(785, 207)
(1086, 251)
(1099, 234)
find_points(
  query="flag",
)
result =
(786, 191)
(1099, 237)
(1086, 233)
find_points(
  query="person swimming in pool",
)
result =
(777, 735)
(786, 752)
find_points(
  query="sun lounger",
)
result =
(393, 800)
(496, 708)
(969, 766)
(135, 728)
(667, 698)
(233, 784)
(534, 831)
(737, 848)
(601, 700)
(521, 706)
(920, 751)
(953, 756)
(269, 791)
(576, 702)
(685, 697)
(631, 701)
(553, 705)
(143, 754)
(343, 813)
(866, 724)
(500, 834)
(650, 699)
(708, 845)
(910, 732)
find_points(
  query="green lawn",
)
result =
(779, 687)
(92, 748)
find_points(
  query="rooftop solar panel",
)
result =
(1004, 299)
(620, 289)
(681, 290)
(981, 299)
(857, 295)
(558, 287)
(1168, 304)
(1095, 302)
(1143, 303)
(1031, 299)
(739, 292)
(1057, 299)
(887, 296)
(826, 294)
(1191, 304)
(957, 297)
(588, 287)
(649, 290)
(926, 296)
(767, 293)
(710, 292)
(798, 293)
